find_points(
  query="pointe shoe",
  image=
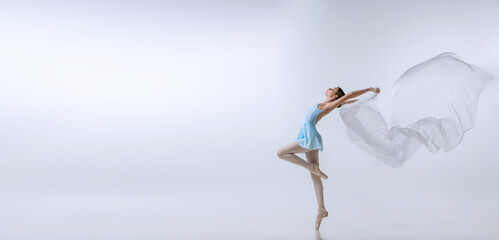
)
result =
(319, 220)
(315, 170)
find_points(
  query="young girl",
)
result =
(309, 141)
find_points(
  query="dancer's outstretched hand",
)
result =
(376, 90)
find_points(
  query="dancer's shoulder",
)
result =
(334, 104)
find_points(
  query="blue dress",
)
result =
(309, 137)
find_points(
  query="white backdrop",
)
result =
(162, 119)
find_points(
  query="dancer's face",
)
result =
(332, 92)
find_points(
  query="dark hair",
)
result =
(340, 93)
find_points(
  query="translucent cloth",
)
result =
(434, 103)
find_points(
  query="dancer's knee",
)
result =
(280, 153)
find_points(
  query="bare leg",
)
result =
(313, 157)
(288, 153)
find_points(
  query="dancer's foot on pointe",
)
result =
(322, 214)
(315, 170)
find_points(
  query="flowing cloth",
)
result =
(434, 103)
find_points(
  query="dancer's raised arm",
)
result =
(360, 92)
(334, 104)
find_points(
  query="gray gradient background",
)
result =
(161, 120)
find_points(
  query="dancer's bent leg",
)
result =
(288, 153)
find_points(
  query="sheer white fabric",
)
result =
(434, 103)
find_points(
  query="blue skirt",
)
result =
(309, 137)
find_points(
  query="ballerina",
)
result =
(309, 141)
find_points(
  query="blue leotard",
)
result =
(309, 137)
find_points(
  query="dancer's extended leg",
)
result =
(288, 153)
(313, 157)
